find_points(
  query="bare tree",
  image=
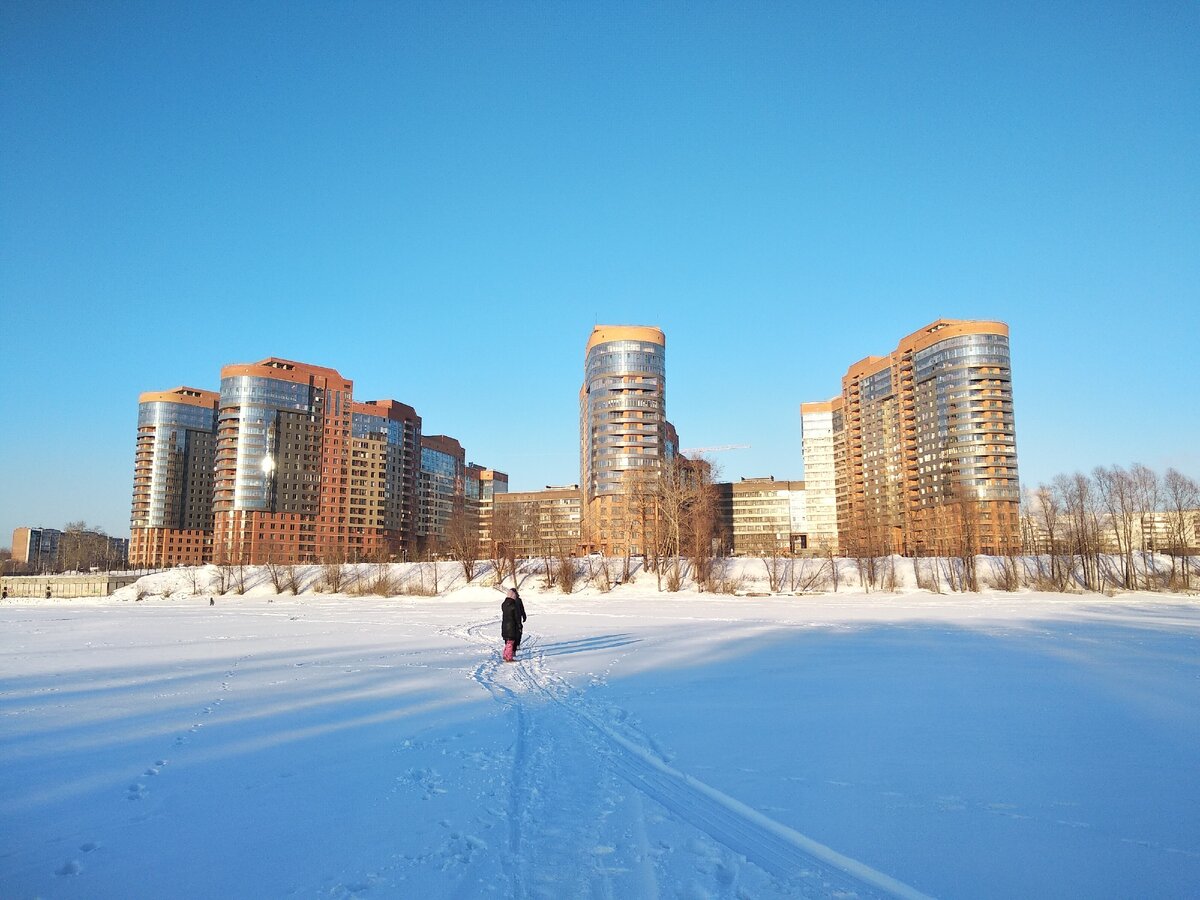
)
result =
(1114, 491)
(811, 575)
(599, 573)
(701, 534)
(291, 579)
(224, 571)
(379, 581)
(1079, 502)
(684, 515)
(641, 518)
(193, 577)
(83, 547)
(546, 550)
(1049, 511)
(462, 539)
(275, 572)
(1147, 498)
(239, 578)
(1182, 499)
(767, 548)
(566, 572)
(967, 509)
(929, 575)
(503, 541)
(333, 570)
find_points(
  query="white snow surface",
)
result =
(644, 744)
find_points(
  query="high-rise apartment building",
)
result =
(172, 519)
(624, 436)
(924, 445)
(820, 421)
(442, 488)
(491, 484)
(385, 461)
(284, 465)
(282, 483)
(304, 472)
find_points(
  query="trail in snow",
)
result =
(561, 738)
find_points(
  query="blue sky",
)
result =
(441, 200)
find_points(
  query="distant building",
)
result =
(442, 489)
(540, 523)
(45, 550)
(758, 516)
(281, 490)
(491, 483)
(925, 445)
(385, 461)
(305, 473)
(284, 465)
(118, 552)
(820, 422)
(172, 518)
(36, 549)
(1174, 532)
(625, 439)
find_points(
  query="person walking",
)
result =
(512, 623)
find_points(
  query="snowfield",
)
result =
(643, 745)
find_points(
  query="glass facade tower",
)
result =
(284, 466)
(442, 488)
(924, 446)
(281, 491)
(624, 436)
(172, 517)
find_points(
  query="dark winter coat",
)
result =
(512, 617)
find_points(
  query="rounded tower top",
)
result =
(603, 334)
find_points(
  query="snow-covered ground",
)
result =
(643, 745)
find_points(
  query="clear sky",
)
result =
(440, 200)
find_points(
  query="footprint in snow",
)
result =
(70, 867)
(725, 875)
(88, 847)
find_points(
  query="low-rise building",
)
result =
(539, 523)
(48, 550)
(758, 516)
(35, 549)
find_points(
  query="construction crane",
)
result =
(694, 450)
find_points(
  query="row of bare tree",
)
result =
(1101, 530)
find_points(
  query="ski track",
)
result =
(485, 675)
(798, 865)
